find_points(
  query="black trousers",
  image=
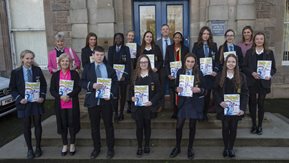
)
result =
(37, 130)
(164, 85)
(253, 103)
(207, 101)
(95, 113)
(67, 126)
(143, 126)
(179, 132)
(121, 98)
(229, 131)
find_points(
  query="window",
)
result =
(285, 60)
(27, 28)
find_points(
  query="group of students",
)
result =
(234, 74)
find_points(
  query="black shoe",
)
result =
(38, 152)
(259, 131)
(94, 153)
(110, 154)
(120, 117)
(225, 153)
(232, 153)
(72, 152)
(174, 116)
(63, 153)
(139, 152)
(191, 154)
(253, 129)
(147, 150)
(175, 152)
(30, 154)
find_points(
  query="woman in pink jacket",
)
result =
(58, 50)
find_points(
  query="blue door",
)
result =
(150, 15)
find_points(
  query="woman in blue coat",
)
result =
(29, 111)
(189, 107)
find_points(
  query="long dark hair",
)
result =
(195, 68)
(221, 59)
(138, 69)
(143, 42)
(200, 39)
(237, 78)
(90, 34)
(245, 28)
(264, 45)
(122, 37)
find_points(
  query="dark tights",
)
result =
(253, 103)
(179, 131)
(229, 131)
(37, 130)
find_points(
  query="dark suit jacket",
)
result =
(250, 66)
(219, 95)
(54, 90)
(17, 86)
(158, 56)
(88, 78)
(160, 44)
(225, 49)
(122, 57)
(85, 56)
(170, 57)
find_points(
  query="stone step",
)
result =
(273, 136)
(164, 121)
(9, 153)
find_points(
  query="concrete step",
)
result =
(278, 135)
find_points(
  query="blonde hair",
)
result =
(59, 36)
(24, 52)
(64, 56)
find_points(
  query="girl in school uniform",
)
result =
(66, 105)
(120, 54)
(229, 46)
(144, 75)
(29, 111)
(258, 87)
(205, 47)
(175, 52)
(189, 107)
(54, 54)
(230, 81)
(87, 51)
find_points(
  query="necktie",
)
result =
(188, 73)
(117, 49)
(98, 72)
(231, 48)
(206, 48)
(29, 75)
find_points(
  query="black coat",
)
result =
(197, 100)
(198, 50)
(54, 90)
(158, 56)
(229, 88)
(250, 66)
(224, 48)
(152, 80)
(88, 78)
(17, 87)
(121, 57)
(86, 52)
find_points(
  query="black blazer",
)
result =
(219, 94)
(250, 66)
(122, 57)
(17, 86)
(54, 90)
(160, 44)
(196, 96)
(88, 78)
(154, 89)
(158, 56)
(224, 48)
(85, 56)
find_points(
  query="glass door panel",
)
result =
(147, 17)
(175, 18)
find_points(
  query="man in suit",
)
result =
(98, 107)
(163, 43)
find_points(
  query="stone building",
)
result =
(32, 24)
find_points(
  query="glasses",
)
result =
(145, 62)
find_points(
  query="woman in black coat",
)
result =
(189, 107)
(229, 46)
(142, 114)
(175, 52)
(258, 86)
(66, 105)
(120, 54)
(29, 111)
(230, 81)
(87, 51)
(205, 47)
